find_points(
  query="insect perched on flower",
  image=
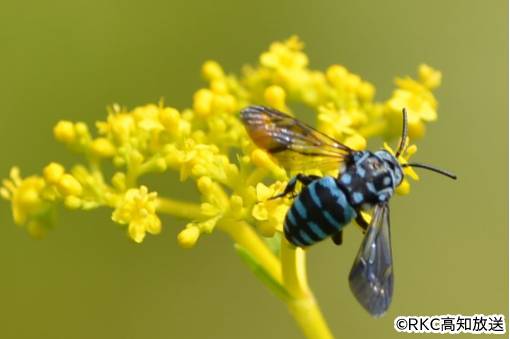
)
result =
(326, 204)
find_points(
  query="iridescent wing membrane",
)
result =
(296, 145)
(371, 277)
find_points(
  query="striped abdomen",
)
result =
(319, 211)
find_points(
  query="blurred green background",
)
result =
(69, 59)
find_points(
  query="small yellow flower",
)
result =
(417, 98)
(29, 208)
(138, 209)
(119, 126)
(287, 54)
(429, 77)
(26, 199)
(270, 213)
(342, 124)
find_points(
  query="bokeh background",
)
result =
(70, 59)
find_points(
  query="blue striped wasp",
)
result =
(366, 180)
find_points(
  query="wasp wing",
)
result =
(371, 277)
(295, 144)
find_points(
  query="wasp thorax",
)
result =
(370, 178)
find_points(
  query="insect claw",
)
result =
(278, 196)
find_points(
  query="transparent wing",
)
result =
(371, 277)
(295, 144)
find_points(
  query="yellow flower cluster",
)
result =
(207, 143)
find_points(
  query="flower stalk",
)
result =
(302, 305)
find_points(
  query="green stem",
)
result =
(302, 305)
(244, 235)
(180, 209)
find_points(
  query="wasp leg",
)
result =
(362, 222)
(337, 238)
(291, 185)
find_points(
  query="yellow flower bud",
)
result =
(29, 198)
(336, 74)
(64, 131)
(169, 118)
(137, 157)
(366, 91)
(53, 172)
(219, 86)
(103, 148)
(68, 185)
(223, 103)
(204, 185)
(352, 82)
(72, 202)
(202, 101)
(211, 70)
(275, 96)
(119, 181)
(82, 129)
(188, 237)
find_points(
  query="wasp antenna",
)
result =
(403, 139)
(433, 169)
